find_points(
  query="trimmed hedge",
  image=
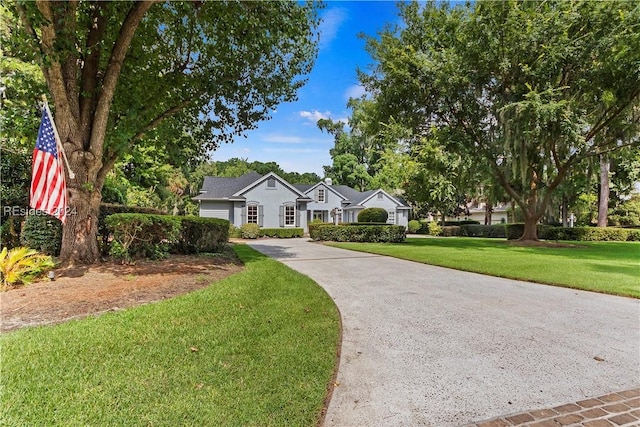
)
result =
(365, 223)
(282, 233)
(461, 222)
(43, 233)
(373, 215)
(313, 227)
(450, 231)
(201, 235)
(584, 234)
(142, 235)
(107, 209)
(250, 231)
(358, 233)
(479, 230)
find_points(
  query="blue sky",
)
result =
(291, 138)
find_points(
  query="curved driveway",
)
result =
(424, 345)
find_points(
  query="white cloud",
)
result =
(330, 25)
(315, 115)
(355, 91)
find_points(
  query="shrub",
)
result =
(450, 231)
(234, 231)
(10, 231)
(414, 226)
(479, 230)
(107, 209)
(359, 233)
(373, 215)
(634, 235)
(250, 231)
(434, 228)
(142, 235)
(201, 235)
(584, 234)
(43, 233)
(314, 226)
(626, 214)
(282, 233)
(365, 223)
(21, 265)
(462, 222)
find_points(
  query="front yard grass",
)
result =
(256, 349)
(608, 267)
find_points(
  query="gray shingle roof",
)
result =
(215, 187)
(303, 187)
(223, 188)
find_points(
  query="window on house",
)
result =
(380, 196)
(271, 183)
(321, 195)
(391, 219)
(252, 214)
(290, 215)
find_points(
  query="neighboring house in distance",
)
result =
(272, 202)
(499, 214)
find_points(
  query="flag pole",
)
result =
(58, 142)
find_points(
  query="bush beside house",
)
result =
(378, 215)
(358, 233)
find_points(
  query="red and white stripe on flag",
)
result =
(48, 187)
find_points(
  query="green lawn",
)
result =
(256, 349)
(609, 267)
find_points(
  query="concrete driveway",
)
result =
(425, 345)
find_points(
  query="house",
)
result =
(476, 212)
(271, 202)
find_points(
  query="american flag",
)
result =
(48, 188)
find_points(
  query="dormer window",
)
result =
(321, 195)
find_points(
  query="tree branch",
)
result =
(155, 122)
(66, 26)
(53, 73)
(118, 54)
(89, 80)
(111, 159)
(602, 123)
(22, 13)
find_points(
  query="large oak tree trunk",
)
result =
(530, 229)
(80, 233)
(532, 212)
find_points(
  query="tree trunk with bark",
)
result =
(83, 97)
(603, 203)
(488, 211)
(565, 212)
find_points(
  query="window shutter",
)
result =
(315, 195)
(281, 216)
(243, 215)
(260, 215)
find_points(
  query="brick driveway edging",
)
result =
(621, 409)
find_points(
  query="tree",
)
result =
(528, 88)
(123, 73)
